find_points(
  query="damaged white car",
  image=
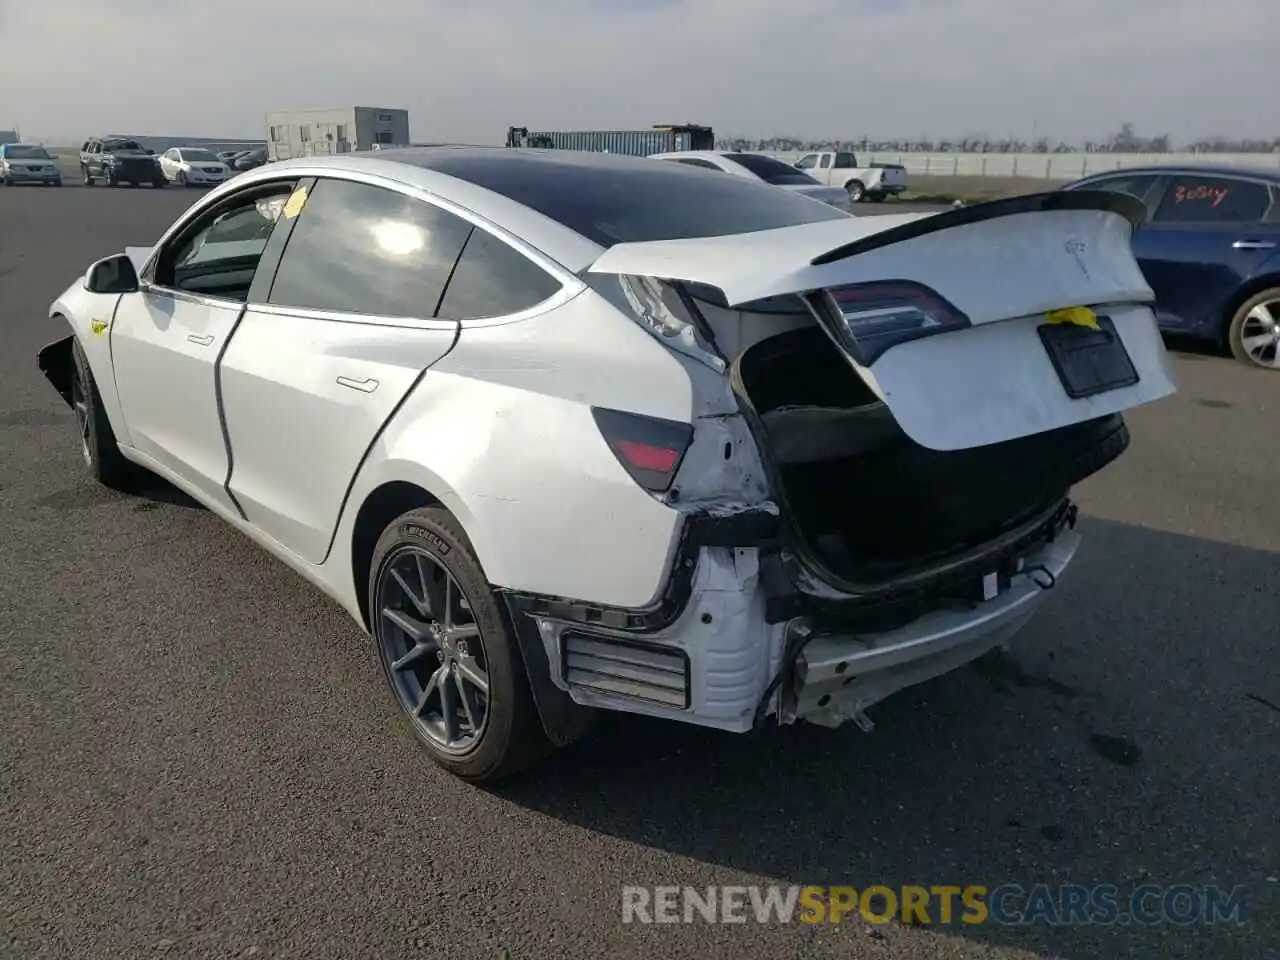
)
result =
(578, 432)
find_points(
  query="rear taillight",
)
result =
(648, 448)
(872, 317)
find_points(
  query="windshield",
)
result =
(121, 145)
(21, 151)
(200, 156)
(770, 170)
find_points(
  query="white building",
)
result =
(318, 132)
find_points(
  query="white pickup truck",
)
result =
(838, 169)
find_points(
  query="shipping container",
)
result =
(663, 138)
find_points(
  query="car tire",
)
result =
(98, 444)
(856, 190)
(428, 544)
(1251, 321)
(160, 182)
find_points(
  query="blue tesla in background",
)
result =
(1210, 249)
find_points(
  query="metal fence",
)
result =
(1050, 166)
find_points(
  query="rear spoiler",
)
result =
(749, 267)
(1131, 208)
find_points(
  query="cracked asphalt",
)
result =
(198, 757)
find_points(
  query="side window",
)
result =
(1193, 199)
(363, 249)
(493, 279)
(1142, 187)
(807, 162)
(846, 161)
(218, 255)
(826, 161)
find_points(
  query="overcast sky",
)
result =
(468, 69)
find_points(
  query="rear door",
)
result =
(1207, 236)
(975, 326)
(329, 347)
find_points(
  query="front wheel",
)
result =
(98, 445)
(448, 652)
(1254, 333)
(856, 190)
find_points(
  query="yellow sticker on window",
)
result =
(1080, 316)
(297, 200)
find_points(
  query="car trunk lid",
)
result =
(1029, 314)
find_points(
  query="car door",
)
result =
(322, 359)
(1206, 238)
(166, 339)
(168, 162)
(93, 158)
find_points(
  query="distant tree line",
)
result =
(1125, 140)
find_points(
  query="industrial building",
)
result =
(318, 132)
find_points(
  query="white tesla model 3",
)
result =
(577, 432)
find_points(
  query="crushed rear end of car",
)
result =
(876, 483)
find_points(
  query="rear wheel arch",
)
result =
(379, 509)
(1248, 291)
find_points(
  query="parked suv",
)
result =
(119, 160)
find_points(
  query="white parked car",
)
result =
(575, 432)
(754, 166)
(193, 167)
(873, 182)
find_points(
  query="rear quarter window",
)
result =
(1213, 200)
(493, 279)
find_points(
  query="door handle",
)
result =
(201, 341)
(1254, 245)
(368, 385)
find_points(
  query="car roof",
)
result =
(1191, 169)
(494, 183)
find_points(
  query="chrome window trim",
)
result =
(571, 285)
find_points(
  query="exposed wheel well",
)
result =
(1250, 289)
(378, 510)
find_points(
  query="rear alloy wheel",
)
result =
(447, 651)
(98, 444)
(1254, 334)
(856, 190)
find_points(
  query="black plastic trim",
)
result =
(54, 360)
(665, 649)
(222, 414)
(1130, 208)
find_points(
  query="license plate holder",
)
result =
(1088, 361)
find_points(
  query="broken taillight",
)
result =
(650, 449)
(872, 317)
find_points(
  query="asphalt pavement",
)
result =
(199, 758)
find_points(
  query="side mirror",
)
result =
(112, 275)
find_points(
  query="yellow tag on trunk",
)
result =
(1080, 316)
(297, 200)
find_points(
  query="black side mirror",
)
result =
(112, 275)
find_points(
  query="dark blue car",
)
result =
(1210, 249)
